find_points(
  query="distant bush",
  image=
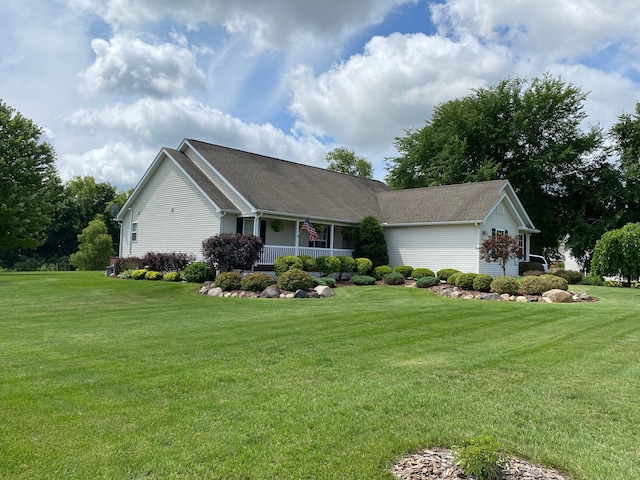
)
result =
(363, 266)
(167, 262)
(536, 285)
(445, 273)
(426, 282)
(505, 284)
(308, 263)
(380, 272)
(347, 264)
(592, 279)
(394, 278)
(422, 272)
(295, 279)
(528, 266)
(127, 263)
(228, 281)
(255, 282)
(482, 282)
(153, 275)
(287, 262)
(465, 280)
(172, 277)
(362, 280)
(126, 274)
(139, 274)
(571, 276)
(198, 272)
(328, 264)
(451, 279)
(533, 273)
(405, 270)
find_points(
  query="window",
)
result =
(247, 226)
(134, 232)
(323, 237)
(495, 232)
(522, 241)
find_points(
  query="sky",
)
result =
(112, 82)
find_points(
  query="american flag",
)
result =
(309, 228)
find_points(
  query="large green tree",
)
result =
(29, 183)
(344, 160)
(618, 253)
(371, 242)
(94, 247)
(626, 137)
(527, 131)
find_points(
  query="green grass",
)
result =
(122, 379)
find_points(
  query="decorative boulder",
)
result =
(324, 291)
(558, 296)
(272, 291)
(301, 294)
(215, 292)
(491, 297)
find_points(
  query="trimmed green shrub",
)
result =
(126, 274)
(394, 278)
(363, 266)
(404, 270)
(537, 285)
(139, 274)
(295, 279)
(347, 264)
(451, 280)
(198, 272)
(172, 277)
(308, 263)
(329, 281)
(287, 262)
(573, 277)
(371, 242)
(153, 275)
(382, 271)
(465, 280)
(255, 282)
(426, 282)
(533, 273)
(592, 279)
(445, 273)
(505, 284)
(327, 264)
(229, 281)
(422, 272)
(362, 280)
(482, 282)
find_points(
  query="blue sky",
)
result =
(114, 81)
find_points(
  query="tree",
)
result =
(94, 247)
(529, 132)
(626, 137)
(500, 249)
(371, 242)
(230, 251)
(617, 253)
(29, 183)
(343, 160)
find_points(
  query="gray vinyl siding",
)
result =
(435, 247)
(500, 219)
(229, 192)
(172, 216)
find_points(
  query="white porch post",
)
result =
(331, 237)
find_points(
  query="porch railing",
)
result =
(271, 252)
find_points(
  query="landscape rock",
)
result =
(272, 291)
(214, 292)
(491, 297)
(301, 294)
(324, 291)
(558, 296)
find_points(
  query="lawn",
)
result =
(126, 379)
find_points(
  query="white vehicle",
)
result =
(540, 259)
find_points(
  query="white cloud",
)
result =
(129, 65)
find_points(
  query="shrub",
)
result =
(327, 265)
(167, 262)
(404, 270)
(198, 272)
(95, 247)
(363, 266)
(445, 273)
(505, 284)
(232, 251)
(328, 281)
(535, 285)
(255, 282)
(172, 277)
(153, 275)
(371, 242)
(308, 263)
(426, 282)
(571, 276)
(287, 262)
(229, 281)
(533, 273)
(592, 279)
(127, 263)
(451, 280)
(139, 274)
(465, 280)
(382, 271)
(480, 458)
(347, 264)
(295, 279)
(529, 266)
(423, 272)
(482, 282)
(362, 280)
(394, 278)
(126, 274)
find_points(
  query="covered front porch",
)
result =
(271, 252)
